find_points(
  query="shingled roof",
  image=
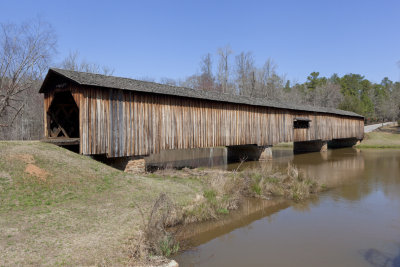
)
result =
(98, 80)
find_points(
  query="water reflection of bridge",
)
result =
(332, 168)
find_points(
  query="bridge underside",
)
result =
(219, 156)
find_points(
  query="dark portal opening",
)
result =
(301, 123)
(63, 116)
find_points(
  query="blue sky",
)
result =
(167, 38)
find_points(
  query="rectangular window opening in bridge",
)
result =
(301, 123)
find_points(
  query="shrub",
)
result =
(154, 238)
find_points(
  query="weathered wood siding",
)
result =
(126, 123)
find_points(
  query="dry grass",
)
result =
(83, 213)
(223, 190)
(220, 192)
(267, 182)
(154, 240)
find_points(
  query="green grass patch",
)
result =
(223, 211)
(79, 212)
(385, 138)
(168, 246)
(210, 195)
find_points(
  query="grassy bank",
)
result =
(223, 190)
(61, 208)
(385, 137)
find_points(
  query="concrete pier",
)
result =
(192, 158)
(249, 153)
(346, 142)
(310, 146)
(243, 152)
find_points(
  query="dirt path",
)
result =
(370, 128)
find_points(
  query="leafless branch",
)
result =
(25, 53)
(73, 62)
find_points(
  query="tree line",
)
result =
(239, 75)
(28, 49)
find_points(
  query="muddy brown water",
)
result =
(355, 223)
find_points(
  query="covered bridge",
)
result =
(120, 117)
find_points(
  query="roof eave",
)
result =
(59, 72)
(52, 72)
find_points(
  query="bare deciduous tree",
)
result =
(327, 95)
(245, 73)
(271, 82)
(206, 77)
(73, 62)
(206, 65)
(168, 81)
(223, 68)
(192, 82)
(25, 53)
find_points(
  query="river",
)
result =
(354, 223)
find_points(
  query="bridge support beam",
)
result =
(249, 153)
(345, 142)
(310, 146)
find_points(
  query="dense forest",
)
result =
(27, 51)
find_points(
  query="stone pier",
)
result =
(310, 146)
(345, 142)
(266, 153)
(136, 165)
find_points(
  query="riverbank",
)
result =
(61, 208)
(223, 190)
(354, 223)
(384, 137)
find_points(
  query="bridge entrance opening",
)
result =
(63, 117)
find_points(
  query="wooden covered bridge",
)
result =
(120, 117)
